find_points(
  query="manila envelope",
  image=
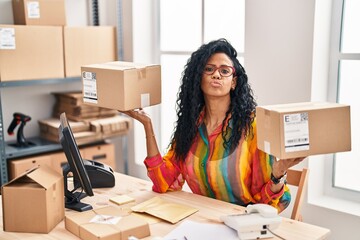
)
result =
(168, 211)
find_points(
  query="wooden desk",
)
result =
(210, 211)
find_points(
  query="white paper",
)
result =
(105, 219)
(191, 230)
(145, 100)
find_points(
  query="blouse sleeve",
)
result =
(164, 172)
(279, 200)
(261, 182)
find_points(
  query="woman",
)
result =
(213, 147)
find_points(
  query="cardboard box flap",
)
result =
(45, 176)
(21, 176)
(302, 106)
(119, 65)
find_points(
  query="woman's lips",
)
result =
(216, 84)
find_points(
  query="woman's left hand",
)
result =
(280, 166)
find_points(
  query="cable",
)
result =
(276, 235)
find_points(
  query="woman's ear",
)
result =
(233, 83)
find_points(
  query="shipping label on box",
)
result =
(121, 85)
(7, 38)
(296, 132)
(303, 129)
(106, 223)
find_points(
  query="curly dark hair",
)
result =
(190, 101)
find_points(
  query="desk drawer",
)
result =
(104, 153)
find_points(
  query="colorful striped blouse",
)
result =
(241, 177)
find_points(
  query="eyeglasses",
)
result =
(224, 70)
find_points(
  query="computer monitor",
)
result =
(76, 167)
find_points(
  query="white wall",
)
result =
(278, 49)
(286, 58)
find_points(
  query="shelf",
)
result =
(39, 146)
(39, 82)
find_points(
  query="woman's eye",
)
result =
(209, 69)
(225, 71)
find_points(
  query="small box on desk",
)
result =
(106, 223)
(39, 12)
(303, 129)
(121, 85)
(34, 201)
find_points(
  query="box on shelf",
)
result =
(39, 12)
(34, 201)
(303, 129)
(88, 45)
(49, 129)
(121, 85)
(113, 125)
(31, 52)
(76, 110)
(86, 131)
(106, 223)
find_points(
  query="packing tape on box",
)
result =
(141, 73)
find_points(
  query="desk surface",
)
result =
(210, 211)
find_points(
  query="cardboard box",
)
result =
(88, 45)
(106, 223)
(30, 52)
(303, 129)
(39, 12)
(34, 201)
(102, 153)
(20, 166)
(121, 85)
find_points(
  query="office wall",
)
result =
(286, 58)
(278, 49)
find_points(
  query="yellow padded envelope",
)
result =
(168, 211)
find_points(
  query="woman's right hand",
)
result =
(138, 114)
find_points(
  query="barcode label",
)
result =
(296, 132)
(7, 38)
(89, 87)
(33, 9)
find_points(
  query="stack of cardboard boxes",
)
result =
(88, 123)
(72, 104)
(41, 46)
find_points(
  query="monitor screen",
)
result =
(75, 166)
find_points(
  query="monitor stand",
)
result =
(74, 202)
(72, 198)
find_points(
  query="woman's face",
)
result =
(217, 78)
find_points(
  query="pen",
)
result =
(185, 238)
